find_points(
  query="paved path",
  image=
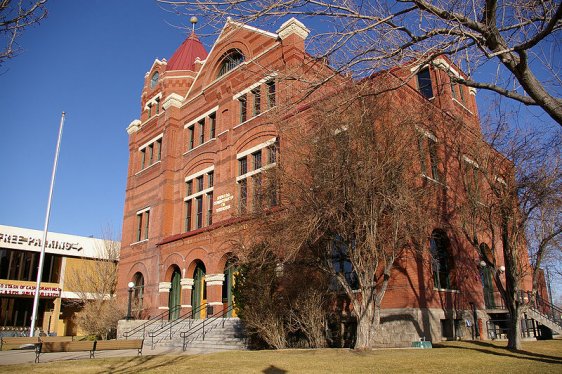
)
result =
(27, 356)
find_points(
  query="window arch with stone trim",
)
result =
(230, 60)
(154, 79)
(138, 294)
(440, 248)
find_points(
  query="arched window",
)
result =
(154, 79)
(439, 246)
(230, 60)
(138, 293)
(342, 263)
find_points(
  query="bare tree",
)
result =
(95, 283)
(512, 211)
(15, 16)
(351, 205)
(503, 46)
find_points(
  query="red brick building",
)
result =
(204, 137)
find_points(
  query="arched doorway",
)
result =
(138, 294)
(174, 299)
(227, 296)
(199, 292)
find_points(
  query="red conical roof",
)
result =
(184, 57)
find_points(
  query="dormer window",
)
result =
(154, 79)
(231, 59)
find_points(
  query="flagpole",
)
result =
(44, 241)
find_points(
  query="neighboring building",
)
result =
(19, 259)
(195, 158)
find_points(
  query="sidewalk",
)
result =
(27, 356)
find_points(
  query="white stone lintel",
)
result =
(164, 286)
(186, 283)
(214, 279)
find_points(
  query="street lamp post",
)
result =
(131, 286)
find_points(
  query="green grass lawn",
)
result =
(453, 357)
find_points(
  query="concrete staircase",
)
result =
(201, 335)
(546, 320)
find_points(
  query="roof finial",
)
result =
(193, 21)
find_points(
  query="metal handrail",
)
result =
(220, 314)
(159, 317)
(178, 320)
(548, 310)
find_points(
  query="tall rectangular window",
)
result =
(257, 159)
(189, 185)
(256, 202)
(150, 154)
(434, 161)
(211, 179)
(256, 93)
(462, 93)
(143, 219)
(202, 131)
(272, 154)
(209, 208)
(429, 160)
(157, 106)
(243, 193)
(149, 110)
(243, 165)
(143, 158)
(158, 149)
(199, 216)
(146, 221)
(188, 207)
(212, 125)
(454, 89)
(270, 93)
(199, 182)
(190, 137)
(424, 83)
(273, 192)
(139, 227)
(243, 108)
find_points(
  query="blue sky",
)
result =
(88, 58)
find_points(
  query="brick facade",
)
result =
(166, 152)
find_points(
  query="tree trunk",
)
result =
(368, 321)
(514, 332)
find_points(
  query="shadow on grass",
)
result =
(489, 348)
(274, 370)
(142, 364)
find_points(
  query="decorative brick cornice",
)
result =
(293, 26)
(133, 127)
(174, 100)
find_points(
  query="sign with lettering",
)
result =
(60, 244)
(221, 202)
(23, 290)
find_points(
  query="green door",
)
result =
(174, 298)
(198, 295)
(227, 297)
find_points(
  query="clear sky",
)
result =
(88, 58)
